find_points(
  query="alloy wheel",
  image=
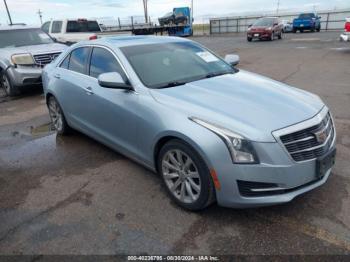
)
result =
(55, 114)
(6, 84)
(181, 176)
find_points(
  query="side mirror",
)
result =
(113, 80)
(231, 59)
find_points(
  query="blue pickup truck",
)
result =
(307, 21)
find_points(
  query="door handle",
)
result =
(88, 90)
(58, 76)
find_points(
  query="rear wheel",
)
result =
(185, 176)
(57, 117)
(7, 85)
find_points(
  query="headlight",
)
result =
(241, 149)
(22, 59)
(269, 28)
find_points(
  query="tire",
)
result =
(8, 86)
(294, 30)
(249, 39)
(318, 29)
(57, 117)
(301, 30)
(280, 36)
(188, 185)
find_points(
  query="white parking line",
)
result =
(305, 39)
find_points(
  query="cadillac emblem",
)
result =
(321, 136)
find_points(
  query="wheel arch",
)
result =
(164, 138)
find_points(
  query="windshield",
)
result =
(23, 37)
(172, 64)
(306, 16)
(264, 22)
(82, 26)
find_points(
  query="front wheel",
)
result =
(185, 176)
(249, 39)
(7, 85)
(57, 117)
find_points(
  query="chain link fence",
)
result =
(330, 20)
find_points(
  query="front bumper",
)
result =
(24, 75)
(288, 177)
(345, 37)
(259, 35)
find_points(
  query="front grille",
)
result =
(304, 145)
(44, 59)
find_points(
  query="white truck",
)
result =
(345, 36)
(71, 31)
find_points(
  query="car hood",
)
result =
(249, 104)
(33, 49)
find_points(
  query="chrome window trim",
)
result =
(94, 45)
(315, 120)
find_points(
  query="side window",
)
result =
(78, 59)
(65, 62)
(56, 27)
(46, 27)
(103, 61)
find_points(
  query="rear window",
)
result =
(82, 26)
(305, 16)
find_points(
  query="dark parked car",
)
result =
(172, 19)
(265, 28)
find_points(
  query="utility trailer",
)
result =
(183, 29)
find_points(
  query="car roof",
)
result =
(16, 27)
(122, 41)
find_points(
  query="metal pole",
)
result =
(145, 9)
(278, 6)
(8, 12)
(191, 12)
(40, 16)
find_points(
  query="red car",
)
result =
(265, 28)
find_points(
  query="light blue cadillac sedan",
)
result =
(211, 131)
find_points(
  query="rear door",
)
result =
(56, 30)
(71, 81)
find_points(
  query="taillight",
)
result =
(93, 37)
(347, 26)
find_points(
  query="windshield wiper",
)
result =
(172, 84)
(210, 75)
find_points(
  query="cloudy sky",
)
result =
(26, 10)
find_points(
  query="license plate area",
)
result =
(323, 164)
(256, 35)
